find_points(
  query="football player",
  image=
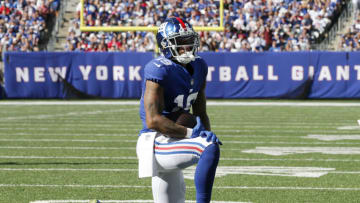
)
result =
(176, 82)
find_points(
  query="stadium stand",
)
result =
(25, 25)
(250, 25)
(350, 40)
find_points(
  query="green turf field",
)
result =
(272, 152)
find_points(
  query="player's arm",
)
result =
(154, 105)
(199, 108)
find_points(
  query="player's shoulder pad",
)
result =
(199, 59)
(158, 69)
(202, 63)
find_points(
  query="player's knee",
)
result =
(212, 151)
(214, 147)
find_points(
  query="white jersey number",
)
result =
(179, 100)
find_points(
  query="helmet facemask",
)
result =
(183, 48)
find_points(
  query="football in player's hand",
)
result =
(183, 118)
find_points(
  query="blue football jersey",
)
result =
(180, 87)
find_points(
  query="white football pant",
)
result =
(171, 156)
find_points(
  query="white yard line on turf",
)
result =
(41, 103)
(70, 148)
(86, 125)
(124, 170)
(62, 140)
(216, 187)
(47, 116)
(134, 141)
(333, 137)
(135, 135)
(67, 134)
(89, 148)
(87, 129)
(209, 102)
(278, 130)
(137, 125)
(135, 158)
(111, 121)
(67, 157)
(264, 130)
(279, 151)
(71, 169)
(107, 148)
(280, 159)
(118, 201)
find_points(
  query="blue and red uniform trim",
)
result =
(179, 148)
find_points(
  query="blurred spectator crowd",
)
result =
(350, 41)
(23, 23)
(250, 25)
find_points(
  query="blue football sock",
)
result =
(205, 173)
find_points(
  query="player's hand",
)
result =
(198, 128)
(210, 137)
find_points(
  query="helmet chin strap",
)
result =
(185, 58)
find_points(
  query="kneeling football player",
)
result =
(176, 82)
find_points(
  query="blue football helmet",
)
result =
(175, 34)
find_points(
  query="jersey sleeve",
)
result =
(155, 73)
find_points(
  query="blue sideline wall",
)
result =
(318, 75)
